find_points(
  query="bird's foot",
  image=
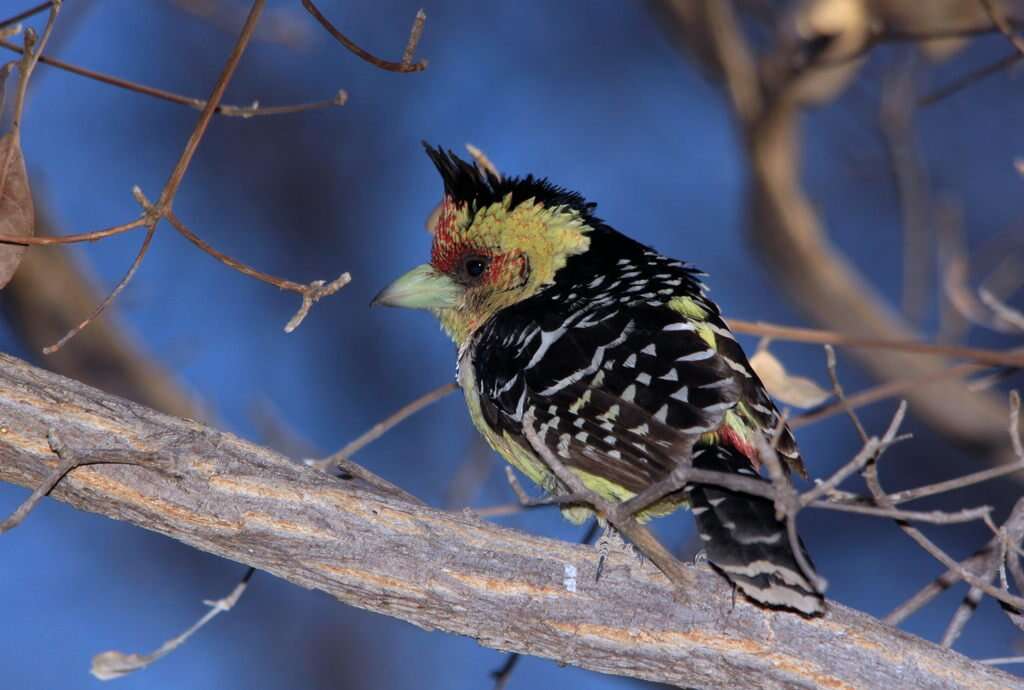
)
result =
(609, 541)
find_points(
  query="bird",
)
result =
(617, 356)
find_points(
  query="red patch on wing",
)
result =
(728, 436)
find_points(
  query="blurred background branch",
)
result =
(811, 62)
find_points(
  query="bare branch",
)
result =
(954, 484)
(881, 498)
(31, 12)
(29, 58)
(891, 389)
(383, 426)
(153, 213)
(406, 65)
(974, 563)
(443, 570)
(74, 239)
(114, 664)
(1010, 358)
(242, 111)
(102, 306)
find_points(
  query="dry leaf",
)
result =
(797, 391)
(114, 664)
(17, 213)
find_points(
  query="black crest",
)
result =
(467, 183)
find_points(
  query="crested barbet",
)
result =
(616, 356)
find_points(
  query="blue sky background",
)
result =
(590, 94)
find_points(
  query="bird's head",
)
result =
(496, 242)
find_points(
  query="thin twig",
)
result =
(874, 485)
(968, 605)
(67, 461)
(114, 664)
(153, 213)
(935, 588)
(350, 469)
(960, 83)
(996, 661)
(933, 517)
(32, 11)
(383, 426)
(29, 59)
(163, 204)
(1006, 539)
(313, 293)
(869, 450)
(415, 33)
(999, 19)
(983, 563)
(102, 306)
(74, 239)
(406, 65)
(954, 484)
(525, 501)
(883, 391)
(517, 488)
(243, 111)
(502, 675)
(822, 337)
(837, 390)
(1015, 434)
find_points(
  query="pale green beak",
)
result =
(421, 288)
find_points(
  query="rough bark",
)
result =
(439, 570)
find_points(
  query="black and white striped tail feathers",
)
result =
(744, 540)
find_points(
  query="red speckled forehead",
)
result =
(447, 247)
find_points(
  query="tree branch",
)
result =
(438, 570)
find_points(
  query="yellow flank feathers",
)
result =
(527, 462)
(696, 313)
(688, 308)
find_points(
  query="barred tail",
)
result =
(745, 542)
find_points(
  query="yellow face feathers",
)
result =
(501, 255)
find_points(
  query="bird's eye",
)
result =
(475, 266)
